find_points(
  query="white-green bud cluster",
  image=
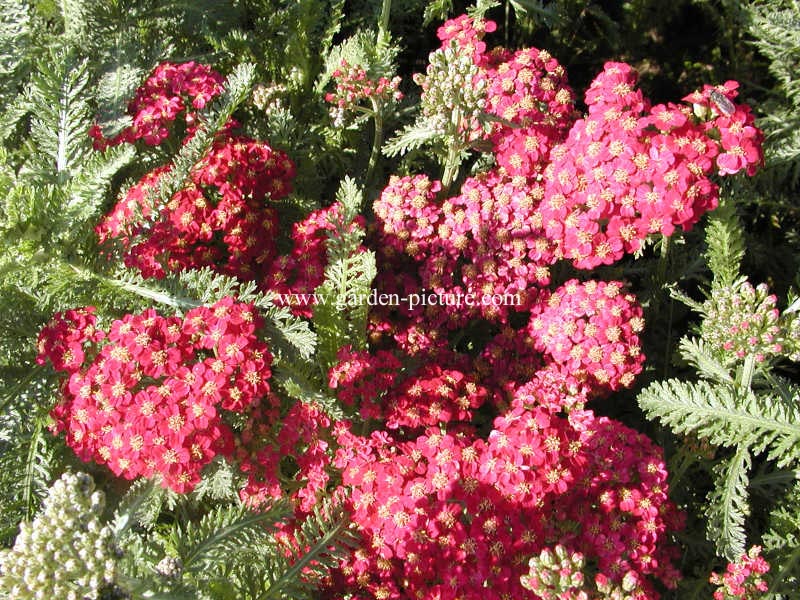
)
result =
(627, 589)
(65, 553)
(742, 320)
(453, 94)
(269, 98)
(556, 574)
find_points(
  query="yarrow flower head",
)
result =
(741, 320)
(467, 33)
(66, 552)
(148, 398)
(529, 92)
(170, 90)
(354, 87)
(742, 579)
(628, 170)
(591, 329)
(218, 219)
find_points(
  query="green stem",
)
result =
(661, 276)
(748, 370)
(383, 25)
(377, 142)
(451, 165)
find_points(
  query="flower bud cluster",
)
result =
(66, 552)
(742, 579)
(269, 98)
(742, 320)
(354, 86)
(556, 574)
(453, 93)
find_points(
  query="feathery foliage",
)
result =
(341, 316)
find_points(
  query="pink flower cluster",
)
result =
(468, 34)
(146, 397)
(170, 90)
(590, 329)
(446, 510)
(742, 579)
(448, 515)
(218, 219)
(629, 169)
(528, 90)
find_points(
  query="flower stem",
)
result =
(383, 25)
(450, 167)
(746, 377)
(377, 142)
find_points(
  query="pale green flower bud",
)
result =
(66, 552)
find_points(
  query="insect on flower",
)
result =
(725, 106)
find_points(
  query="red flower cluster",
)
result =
(446, 515)
(361, 378)
(742, 579)
(590, 329)
(170, 89)
(218, 220)
(294, 446)
(629, 170)
(146, 396)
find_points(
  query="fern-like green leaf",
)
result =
(782, 545)
(411, 137)
(694, 351)
(728, 505)
(134, 506)
(61, 118)
(725, 245)
(323, 538)
(717, 413)
(223, 532)
(340, 316)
